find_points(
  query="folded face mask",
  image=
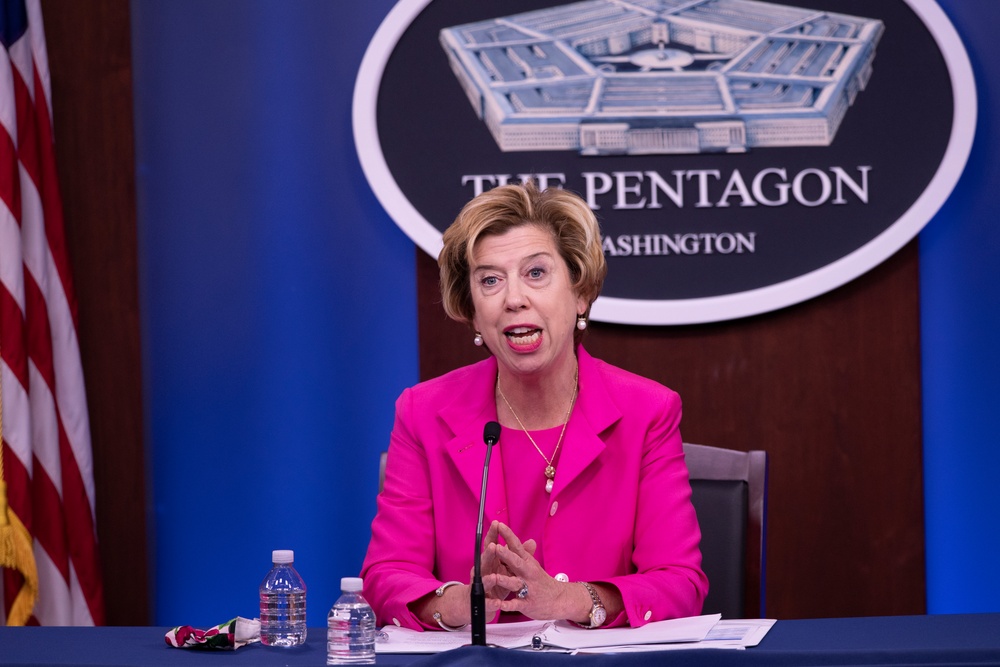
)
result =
(230, 635)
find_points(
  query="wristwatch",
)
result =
(597, 613)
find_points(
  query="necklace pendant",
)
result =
(548, 486)
(550, 472)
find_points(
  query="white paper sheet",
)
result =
(403, 640)
(737, 634)
(553, 634)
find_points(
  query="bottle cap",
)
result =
(282, 556)
(353, 584)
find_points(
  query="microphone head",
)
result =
(491, 433)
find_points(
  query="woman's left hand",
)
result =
(546, 598)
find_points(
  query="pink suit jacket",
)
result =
(620, 511)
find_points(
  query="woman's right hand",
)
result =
(490, 564)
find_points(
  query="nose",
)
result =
(516, 296)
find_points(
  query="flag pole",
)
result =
(15, 546)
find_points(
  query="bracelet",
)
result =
(443, 587)
(437, 615)
(449, 628)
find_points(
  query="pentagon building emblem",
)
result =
(627, 77)
(741, 155)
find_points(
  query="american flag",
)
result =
(46, 456)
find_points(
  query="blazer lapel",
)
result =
(466, 416)
(595, 411)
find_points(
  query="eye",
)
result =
(489, 281)
(536, 273)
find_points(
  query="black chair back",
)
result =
(729, 494)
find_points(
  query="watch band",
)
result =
(598, 614)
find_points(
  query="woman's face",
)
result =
(525, 305)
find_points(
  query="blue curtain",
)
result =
(278, 299)
(960, 325)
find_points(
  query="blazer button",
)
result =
(649, 614)
(395, 621)
(562, 577)
(554, 508)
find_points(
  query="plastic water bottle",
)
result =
(350, 627)
(282, 603)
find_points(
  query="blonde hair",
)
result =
(563, 213)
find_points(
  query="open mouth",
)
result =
(523, 335)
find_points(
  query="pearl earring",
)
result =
(581, 322)
(477, 340)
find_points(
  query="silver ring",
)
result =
(523, 593)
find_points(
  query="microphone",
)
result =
(491, 433)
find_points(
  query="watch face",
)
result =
(598, 616)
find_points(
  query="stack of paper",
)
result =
(695, 632)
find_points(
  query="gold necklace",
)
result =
(550, 470)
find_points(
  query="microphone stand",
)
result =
(478, 596)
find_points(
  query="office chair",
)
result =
(729, 494)
(381, 470)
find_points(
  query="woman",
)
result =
(588, 499)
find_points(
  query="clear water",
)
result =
(350, 633)
(282, 617)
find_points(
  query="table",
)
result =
(961, 639)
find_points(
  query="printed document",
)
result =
(558, 635)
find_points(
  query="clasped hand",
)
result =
(508, 568)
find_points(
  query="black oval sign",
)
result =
(741, 156)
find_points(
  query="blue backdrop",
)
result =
(279, 306)
(279, 309)
(960, 324)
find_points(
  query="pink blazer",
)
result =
(620, 511)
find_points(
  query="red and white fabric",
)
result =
(46, 432)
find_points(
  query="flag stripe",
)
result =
(11, 343)
(48, 533)
(55, 231)
(18, 486)
(9, 193)
(84, 557)
(46, 432)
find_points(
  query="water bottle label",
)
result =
(341, 614)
